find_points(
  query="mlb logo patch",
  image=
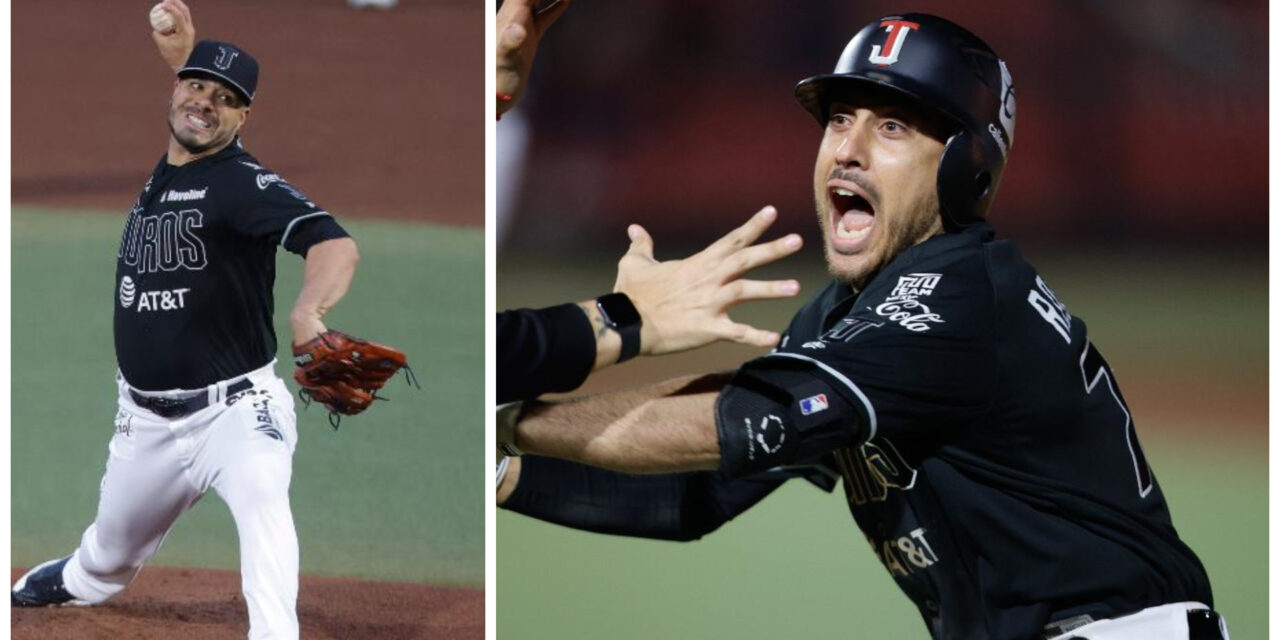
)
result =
(814, 404)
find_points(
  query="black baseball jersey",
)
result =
(196, 267)
(986, 451)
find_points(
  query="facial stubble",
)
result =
(898, 236)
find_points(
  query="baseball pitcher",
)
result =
(200, 407)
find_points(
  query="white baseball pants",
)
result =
(1166, 622)
(242, 448)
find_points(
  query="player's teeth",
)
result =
(843, 192)
(857, 234)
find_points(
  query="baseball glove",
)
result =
(344, 373)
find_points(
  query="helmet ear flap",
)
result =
(967, 181)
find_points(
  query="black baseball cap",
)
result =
(226, 63)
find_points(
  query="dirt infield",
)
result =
(198, 604)
(370, 113)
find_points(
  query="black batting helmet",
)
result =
(944, 67)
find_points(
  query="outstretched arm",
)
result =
(679, 506)
(665, 427)
(683, 304)
(176, 45)
(775, 411)
(327, 274)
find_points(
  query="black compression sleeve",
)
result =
(682, 506)
(542, 351)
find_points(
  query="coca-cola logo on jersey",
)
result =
(903, 305)
(163, 241)
(912, 314)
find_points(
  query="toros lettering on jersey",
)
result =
(163, 242)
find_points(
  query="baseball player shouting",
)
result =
(984, 446)
(200, 406)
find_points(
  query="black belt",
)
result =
(179, 407)
(1202, 624)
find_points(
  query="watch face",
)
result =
(618, 310)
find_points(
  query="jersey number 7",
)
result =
(1094, 368)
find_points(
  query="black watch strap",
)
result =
(621, 316)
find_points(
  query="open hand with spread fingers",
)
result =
(685, 304)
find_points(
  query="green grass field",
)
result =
(1189, 347)
(396, 494)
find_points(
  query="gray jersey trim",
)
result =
(289, 229)
(871, 411)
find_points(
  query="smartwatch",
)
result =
(621, 316)
(508, 416)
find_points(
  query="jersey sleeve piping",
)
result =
(289, 229)
(871, 411)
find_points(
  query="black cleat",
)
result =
(42, 586)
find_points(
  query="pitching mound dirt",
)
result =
(199, 604)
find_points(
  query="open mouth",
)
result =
(198, 121)
(854, 217)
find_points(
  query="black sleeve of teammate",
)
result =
(783, 411)
(681, 506)
(542, 351)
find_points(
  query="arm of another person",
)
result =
(680, 506)
(683, 304)
(543, 351)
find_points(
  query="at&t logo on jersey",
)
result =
(902, 555)
(127, 292)
(163, 300)
(903, 305)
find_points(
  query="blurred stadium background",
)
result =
(377, 116)
(1137, 184)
